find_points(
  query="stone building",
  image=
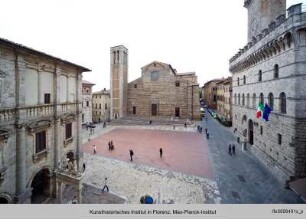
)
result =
(118, 81)
(271, 69)
(40, 124)
(159, 92)
(87, 102)
(224, 99)
(101, 106)
(210, 93)
(228, 99)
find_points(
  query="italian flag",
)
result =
(260, 110)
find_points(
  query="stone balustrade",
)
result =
(68, 107)
(7, 115)
(41, 110)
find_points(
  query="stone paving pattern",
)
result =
(183, 152)
(133, 180)
(238, 179)
(242, 178)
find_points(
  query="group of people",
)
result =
(231, 149)
(132, 154)
(111, 146)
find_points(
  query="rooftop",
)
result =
(28, 49)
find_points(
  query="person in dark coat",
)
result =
(230, 150)
(131, 154)
(84, 167)
(233, 149)
(161, 152)
(105, 185)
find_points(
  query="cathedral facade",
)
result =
(160, 92)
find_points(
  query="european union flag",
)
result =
(266, 112)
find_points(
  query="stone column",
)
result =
(39, 93)
(20, 161)
(59, 191)
(79, 195)
(56, 124)
(22, 193)
(78, 118)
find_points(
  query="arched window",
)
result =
(261, 98)
(254, 101)
(243, 103)
(260, 75)
(235, 98)
(238, 99)
(276, 71)
(248, 100)
(282, 102)
(271, 100)
(244, 79)
(238, 81)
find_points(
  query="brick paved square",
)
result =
(183, 152)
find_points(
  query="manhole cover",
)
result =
(241, 178)
(236, 195)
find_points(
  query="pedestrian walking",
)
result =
(161, 152)
(233, 149)
(206, 130)
(131, 154)
(207, 135)
(230, 149)
(74, 200)
(84, 166)
(185, 125)
(105, 185)
(95, 149)
(173, 127)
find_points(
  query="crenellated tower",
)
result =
(261, 14)
(118, 81)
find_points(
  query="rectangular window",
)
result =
(87, 103)
(68, 130)
(134, 110)
(83, 117)
(177, 84)
(279, 136)
(106, 106)
(47, 98)
(154, 76)
(100, 106)
(40, 142)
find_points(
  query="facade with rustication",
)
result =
(271, 69)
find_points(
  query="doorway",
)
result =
(41, 187)
(154, 110)
(251, 132)
(177, 112)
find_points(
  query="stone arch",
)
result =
(41, 186)
(5, 198)
(288, 39)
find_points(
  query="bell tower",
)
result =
(261, 13)
(118, 81)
